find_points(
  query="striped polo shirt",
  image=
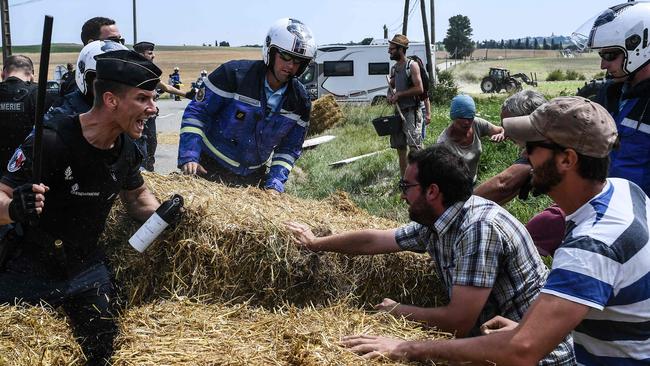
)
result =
(604, 263)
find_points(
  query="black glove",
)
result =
(171, 210)
(23, 205)
(190, 94)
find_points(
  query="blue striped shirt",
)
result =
(604, 263)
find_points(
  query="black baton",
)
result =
(40, 99)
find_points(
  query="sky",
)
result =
(241, 22)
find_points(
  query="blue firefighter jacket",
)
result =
(230, 122)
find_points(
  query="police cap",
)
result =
(129, 68)
(140, 47)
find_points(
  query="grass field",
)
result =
(190, 60)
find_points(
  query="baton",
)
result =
(40, 99)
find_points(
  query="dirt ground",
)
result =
(190, 63)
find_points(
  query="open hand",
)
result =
(302, 234)
(387, 305)
(372, 346)
(498, 324)
(193, 168)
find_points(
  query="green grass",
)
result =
(372, 182)
(588, 65)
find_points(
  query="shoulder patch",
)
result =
(16, 161)
(200, 94)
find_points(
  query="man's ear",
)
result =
(111, 101)
(566, 160)
(432, 192)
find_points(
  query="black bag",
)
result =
(387, 125)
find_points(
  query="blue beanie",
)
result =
(462, 106)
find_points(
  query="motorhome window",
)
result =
(378, 68)
(338, 68)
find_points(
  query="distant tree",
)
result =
(545, 45)
(366, 41)
(527, 43)
(216, 44)
(224, 44)
(458, 42)
(535, 44)
(502, 44)
(518, 45)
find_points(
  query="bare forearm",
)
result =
(170, 89)
(439, 317)
(498, 348)
(140, 203)
(358, 242)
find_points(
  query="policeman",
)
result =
(149, 141)
(175, 81)
(17, 105)
(80, 100)
(87, 161)
(94, 29)
(247, 124)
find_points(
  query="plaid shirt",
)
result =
(478, 243)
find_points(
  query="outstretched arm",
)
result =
(351, 242)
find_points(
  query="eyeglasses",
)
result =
(289, 57)
(116, 39)
(530, 146)
(609, 55)
(404, 185)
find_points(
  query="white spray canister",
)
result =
(155, 225)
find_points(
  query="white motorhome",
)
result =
(354, 73)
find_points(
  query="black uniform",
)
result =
(17, 111)
(84, 181)
(68, 83)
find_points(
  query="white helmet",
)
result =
(291, 36)
(624, 27)
(86, 62)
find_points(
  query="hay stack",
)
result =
(232, 246)
(184, 333)
(325, 113)
(33, 335)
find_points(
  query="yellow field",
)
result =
(190, 62)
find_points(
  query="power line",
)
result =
(399, 27)
(24, 2)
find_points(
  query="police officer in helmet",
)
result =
(248, 121)
(87, 161)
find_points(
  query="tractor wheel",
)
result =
(488, 85)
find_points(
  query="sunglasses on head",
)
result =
(116, 39)
(289, 57)
(404, 185)
(609, 55)
(531, 145)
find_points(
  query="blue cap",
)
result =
(462, 106)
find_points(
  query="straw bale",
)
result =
(325, 114)
(34, 335)
(186, 333)
(231, 245)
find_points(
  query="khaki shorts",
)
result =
(411, 134)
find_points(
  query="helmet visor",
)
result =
(580, 37)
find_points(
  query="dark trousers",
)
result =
(217, 173)
(87, 298)
(151, 142)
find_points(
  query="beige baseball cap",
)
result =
(572, 122)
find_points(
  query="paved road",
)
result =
(169, 120)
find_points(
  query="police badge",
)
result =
(200, 95)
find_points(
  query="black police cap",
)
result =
(143, 46)
(129, 68)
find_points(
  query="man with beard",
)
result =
(408, 86)
(598, 289)
(482, 254)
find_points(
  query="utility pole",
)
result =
(406, 17)
(427, 43)
(6, 34)
(135, 26)
(433, 40)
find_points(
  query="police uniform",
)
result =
(17, 111)
(59, 259)
(230, 130)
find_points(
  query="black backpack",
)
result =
(423, 76)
